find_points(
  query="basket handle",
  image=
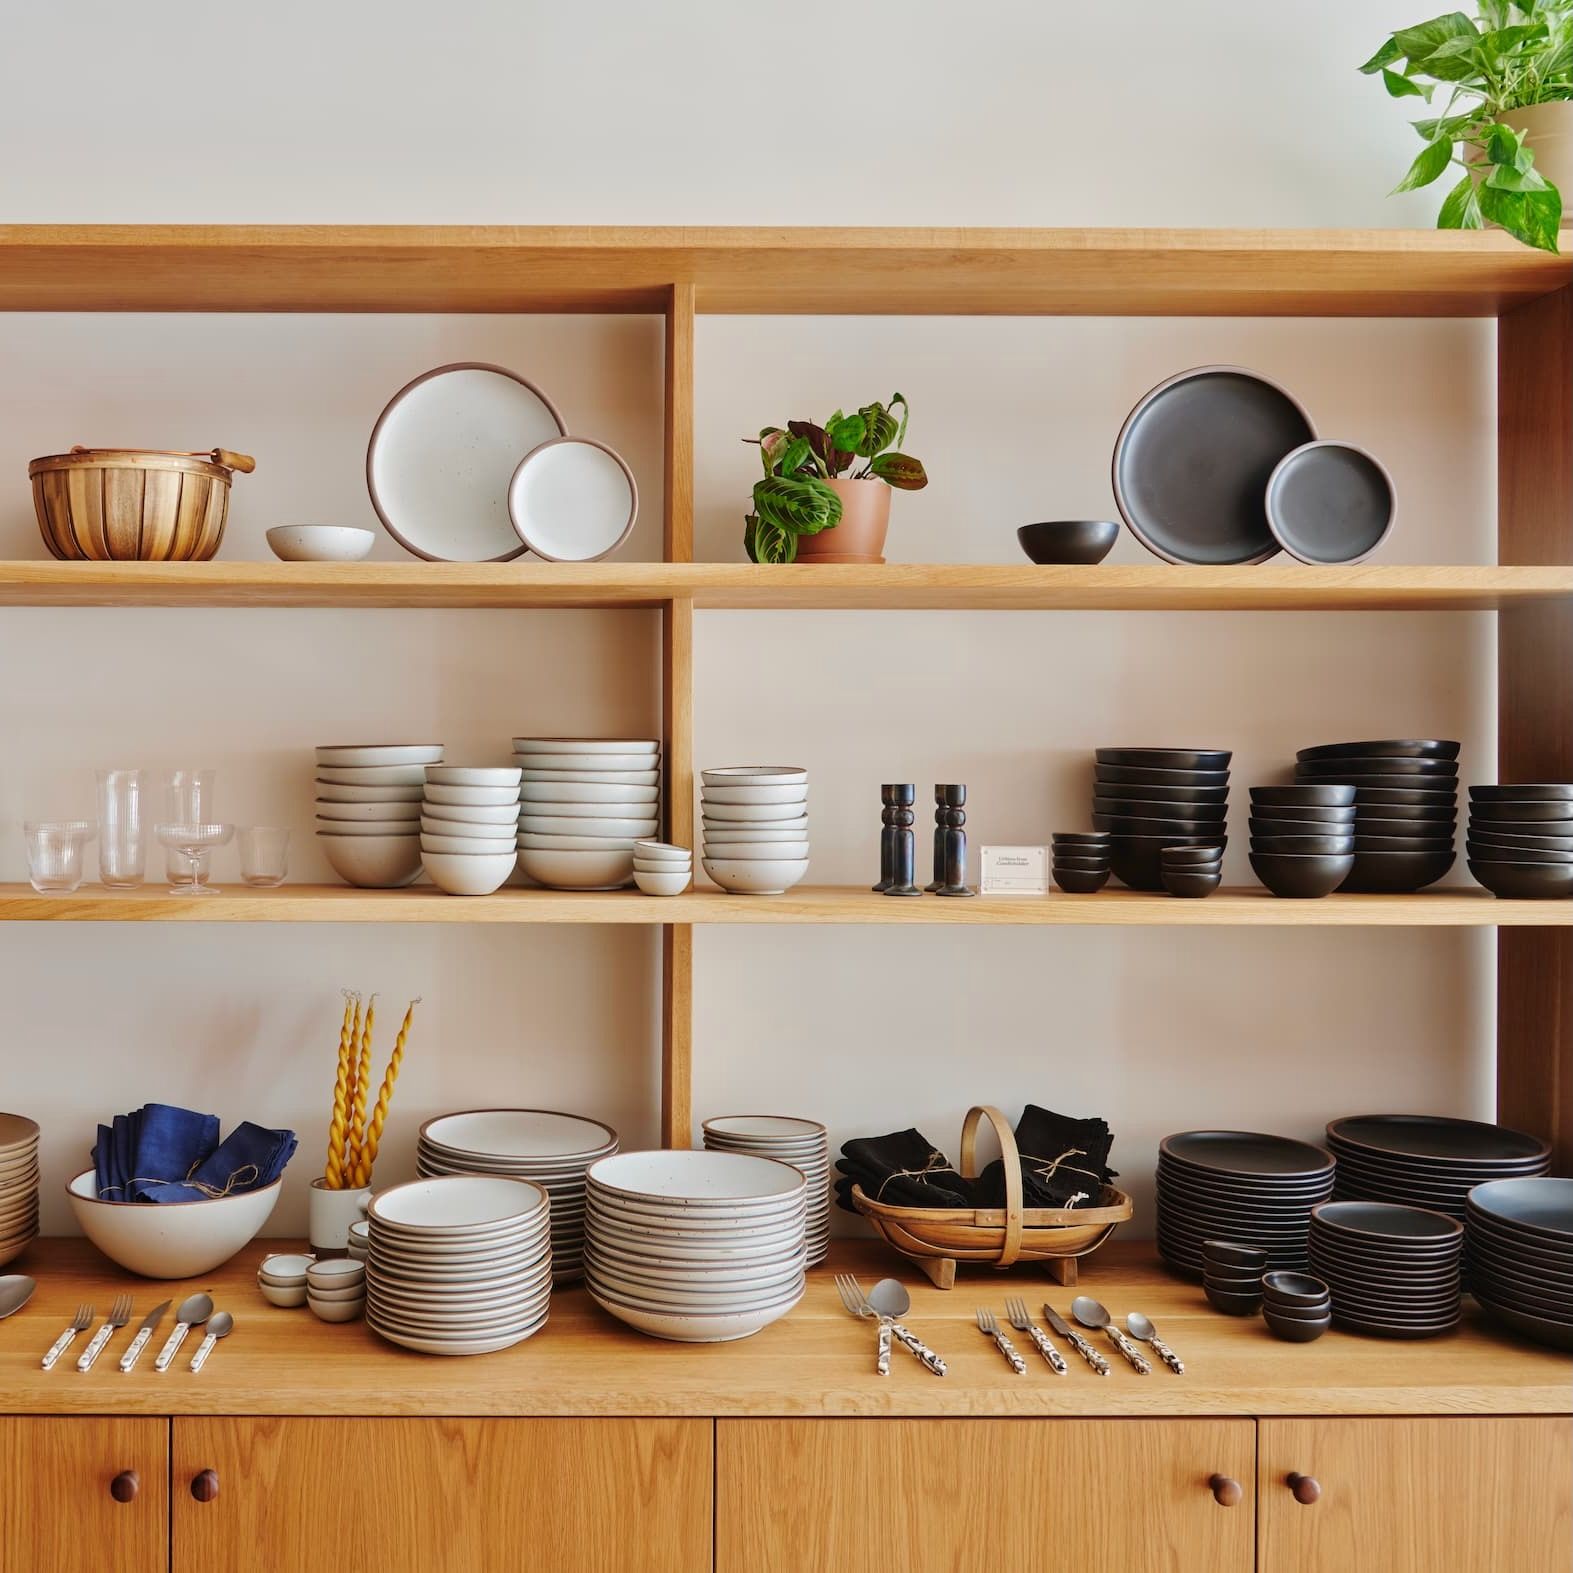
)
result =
(1012, 1165)
(224, 456)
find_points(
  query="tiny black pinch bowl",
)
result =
(1068, 540)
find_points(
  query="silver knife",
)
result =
(144, 1332)
(1075, 1340)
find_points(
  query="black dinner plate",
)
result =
(1541, 1329)
(1245, 1154)
(1226, 1187)
(1386, 1223)
(1399, 747)
(1539, 1208)
(1392, 1329)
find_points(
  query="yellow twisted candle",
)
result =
(341, 1087)
(379, 1114)
(354, 1095)
(362, 1092)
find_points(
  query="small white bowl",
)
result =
(662, 851)
(320, 543)
(367, 827)
(333, 792)
(471, 813)
(362, 756)
(337, 1310)
(472, 775)
(754, 775)
(286, 1267)
(732, 832)
(372, 775)
(460, 830)
(578, 870)
(373, 862)
(756, 851)
(753, 813)
(467, 846)
(586, 792)
(751, 877)
(756, 794)
(662, 884)
(548, 825)
(471, 796)
(287, 1299)
(365, 811)
(469, 874)
(334, 1272)
(586, 745)
(351, 1292)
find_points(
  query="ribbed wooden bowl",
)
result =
(125, 505)
(999, 1236)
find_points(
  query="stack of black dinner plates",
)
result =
(1518, 1241)
(1395, 1272)
(1151, 798)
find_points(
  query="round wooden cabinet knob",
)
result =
(123, 1488)
(1226, 1490)
(204, 1487)
(1307, 1489)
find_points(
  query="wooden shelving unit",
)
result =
(678, 273)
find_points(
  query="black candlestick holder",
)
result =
(887, 838)
(934, 885)
(950, 839)
(904, 867)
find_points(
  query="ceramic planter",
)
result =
(860, 536)
(1549, 128)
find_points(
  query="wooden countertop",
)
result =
(818, 1361)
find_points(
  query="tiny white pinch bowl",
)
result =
(745, 877)
(286, 1267)
(470, 796)
(461, 846)
(320, 543)
(662, 851)
(662, 884)
(350, 1294)
(334, 1272)
(468, 874)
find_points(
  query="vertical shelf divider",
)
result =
(1535, 700)
(677, 699)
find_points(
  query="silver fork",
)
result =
(991, 1329)
(79, 1323)
(1016, 1310)
(853, 1298)
(119, 1315)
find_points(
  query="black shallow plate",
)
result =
(1394, 747)
(1375, 765)
(1538, 1251)
(1266, 1204)
(1539, 1329)
(1387, 1329)
(1537, 1207)
(1245, 1154)
(1263, 1188)
(1330, 502)
(1381, 798)
(1192, 462)
(1530, 792)
(1384, 1223)
(1166, 758)
(1141, 775)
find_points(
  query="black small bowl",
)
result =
(1098, 838)
(1330, 795)
(1525, 881)
(1232, 1255)
(1305, 846)
(1190, 884)
(1295, 1289)
(1293, 1331)
(1085, 862)
(1177, 857)
(1298, 1313)
(1068, 540)
(1080, 881)
(1232, 1304)
(1337, 814)
(1302, 878)
(1491, 852)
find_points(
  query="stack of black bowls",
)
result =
(1395, 1272)
(1303, 838)
(1151, 798)
(1081, 861)
(1521, 839)
(1406, 807)
(1518, 1240)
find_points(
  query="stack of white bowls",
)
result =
(805, 1144)
(469, 819)
(756, 827)
(459, 1266)
(660, 869)
(369, 809)
(336, 1289)
(552, 1149)
(701, 1247)
(18, 1184)
(585, 800)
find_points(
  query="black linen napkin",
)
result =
(903, 1169)
(1064, 1161)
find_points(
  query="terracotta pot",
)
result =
(1549, 128)
(860, 536)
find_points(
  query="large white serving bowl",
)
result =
(572, 808)
(331, 792)
(373, 862)
(757, 794)
(463, 830)
(471, 847)
(472, 775)
(446, 1205)
(662, 883)
(609, 870)
(373, 775)
(467, 873)
(570, 778)
(339, 756)
(753, 775)
(586, 792)
(756, 851)
(471, 796)
(693, 1175)
(531, 841)
(586, 745)
(368, 827)
(170, 1239)
(574, 763)
(517, 1134)
(320, 543)
(352, 812)
(472, 813)
(752, 813)
(744, 877)
(690, 1329)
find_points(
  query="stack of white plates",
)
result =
(18, 1184)
(585, 801)
(701, 1247)
(369, 809)
(459, 1266)
(756, 827)
(804, 1144)
(553, 1150)
(469, 819)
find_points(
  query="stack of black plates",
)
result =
(1406, 807)
(1422, 1160)
(1241, 1187)
(1394, 1271)
(1151, 798)
(1518, 1237)
(1521, 839)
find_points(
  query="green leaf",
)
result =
(1520, 39)
(1447, 126)
(1429, 163)
(803, 505)
(901, 399)
(899, 470)
(751, 537)
(1505, 146)
(1504, 177)
(794, 456)
(1385, 56)
(1401, 87)
(879, 431)
(1417, 44)
(1529, 216)
(846, 431)
(1461, 209)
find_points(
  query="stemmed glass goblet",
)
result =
(193, 843)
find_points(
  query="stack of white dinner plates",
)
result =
(18, 1184)
(804, 1144)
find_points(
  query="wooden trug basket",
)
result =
(936, 1238)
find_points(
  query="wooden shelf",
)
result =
(1465, 907)
(1096, 272)
(1154, 587)
(818, 1361)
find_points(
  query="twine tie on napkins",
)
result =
(936, 1163)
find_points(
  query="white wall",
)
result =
(1210, 113)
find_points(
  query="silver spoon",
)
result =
(219, 1327)
(1141, 1328)
(890, 1300)
(16, 1289)
(194, 1310)
(1089, 1313)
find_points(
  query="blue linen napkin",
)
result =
(169, 1143)
(249, 1158)
(163, 1153)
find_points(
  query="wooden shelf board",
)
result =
(1104, 272)
(818, 1361)
(1460, 907)
(797, 587)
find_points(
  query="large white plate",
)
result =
(521, 1134)
(586, 745)
(455, 1204)
(659, 1177)
(572, 500)
(455, 1346)
(442, 456)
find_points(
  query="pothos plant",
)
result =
(793, 498)
(1507, 57)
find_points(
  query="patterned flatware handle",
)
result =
(138, 1344)
(1008, 1349)
(58, 1348)
(1088, 1353)
(882, 1359)
(1048, 1351)
(171, 1346)
(90, 1354)
(1168, 1356)
(204, 1349)
(1129, 1350)
(919, 1349)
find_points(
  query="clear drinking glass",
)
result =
(188, 800)
(192, 844)
(54, 852)
(264, 855)
(121, 855)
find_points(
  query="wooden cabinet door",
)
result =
(1462, 1493)
(441, 1496)
(978, 1496)
(84, 1494)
